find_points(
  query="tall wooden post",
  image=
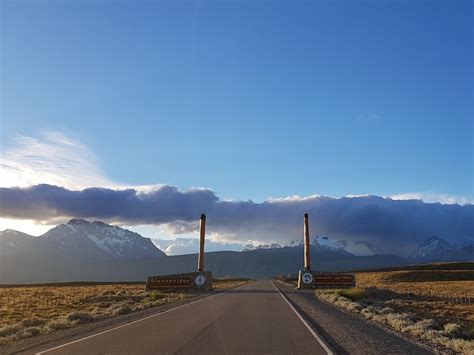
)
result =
(307, 249)
(201, 243)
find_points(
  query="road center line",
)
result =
(130, 323)
(311, 330)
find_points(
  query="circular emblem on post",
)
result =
(307, 278)
(200, 280)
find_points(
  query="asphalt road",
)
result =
(252, 319)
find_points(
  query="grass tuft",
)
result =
(33, 322)
(353, 293)
(9, 330)
(79, 317)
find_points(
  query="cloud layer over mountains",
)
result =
(389, 225)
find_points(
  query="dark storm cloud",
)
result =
(43, 202)
(385, 223)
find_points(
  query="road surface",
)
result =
(255, 318)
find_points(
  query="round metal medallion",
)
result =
(307, 278)
(200, 280)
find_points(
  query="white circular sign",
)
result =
(307, 278)
(200, 280)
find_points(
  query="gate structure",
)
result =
(202, 280)
(313, 279)
(197, 281)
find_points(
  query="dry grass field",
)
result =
(30, 310)
(423, 293)
(435, 305)
(440, 282)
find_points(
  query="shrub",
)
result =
(121, 310)
(9, 330)
(57, 324)
(33, 322)
(80, 317)
(138, 307)
(353, 293)
(28, 332)
(156, 295)
(462, 346)
(107, 293)
(452, 330)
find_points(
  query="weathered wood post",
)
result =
(307, 246)
(201, 242)
(198, 281)
(305, 277)
(312, 279)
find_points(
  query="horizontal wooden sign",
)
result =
(167, 281)
(333, 279)
(191, 280)
(316, 279)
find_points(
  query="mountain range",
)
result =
(94, 251)
(437, 249)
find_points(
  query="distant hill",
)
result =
(94, 251)
(443, 266)
(80, 240)
(11, 240)
(437, 249)
(63, 251)
(256, 264)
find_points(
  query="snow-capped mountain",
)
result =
(80, 241)
(359, 248)
(326, 243)
(101, 239)
(431, 246)
(295, 243)
(249, 247)
(183, 245)
(438, 249)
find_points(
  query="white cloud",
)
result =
(68, 166)
(433, 198)
(27, 226)
(180, 245)
(51, 159)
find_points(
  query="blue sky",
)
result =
(251, 99)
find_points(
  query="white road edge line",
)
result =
(311, 330)
(130, 323)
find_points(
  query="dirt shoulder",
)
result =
(401, 313)
(346, 333)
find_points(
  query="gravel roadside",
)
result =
(346, 333)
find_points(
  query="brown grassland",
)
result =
(446, 300)
(26, 311)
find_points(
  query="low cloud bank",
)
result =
(389, 225)
(179, 246)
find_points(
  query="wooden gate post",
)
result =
(307, 246)
(201, 243)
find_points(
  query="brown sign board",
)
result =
(168, 282)
(316, 279)
(191, 280)
(336, 280)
